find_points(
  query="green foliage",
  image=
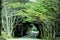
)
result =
(42, 10)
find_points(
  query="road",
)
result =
(31, 36)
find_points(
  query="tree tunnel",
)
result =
(21, 28)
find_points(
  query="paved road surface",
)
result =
(23, 39)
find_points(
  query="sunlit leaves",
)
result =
(42, 9)
(14, 5)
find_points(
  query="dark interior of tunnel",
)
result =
(21, 29)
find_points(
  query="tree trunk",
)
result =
(0, 17)
(0, 24)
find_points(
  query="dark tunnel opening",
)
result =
(22, 28)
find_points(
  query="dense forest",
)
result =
(19, 17)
